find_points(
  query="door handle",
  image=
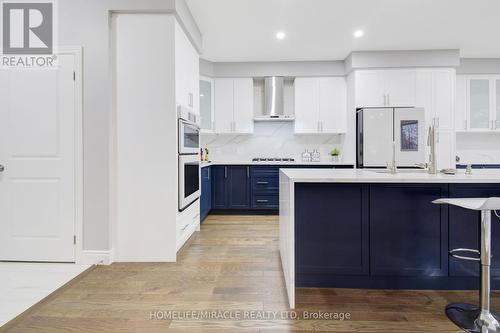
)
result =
(2, 168)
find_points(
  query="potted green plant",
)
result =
(335, 154)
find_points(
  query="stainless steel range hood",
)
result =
(274, 100)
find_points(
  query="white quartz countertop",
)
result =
(205, 164)
(404, 176)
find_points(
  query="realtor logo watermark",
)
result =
(28, 33)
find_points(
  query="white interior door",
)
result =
(37, 150)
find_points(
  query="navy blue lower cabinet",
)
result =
(408, 233)
(219, 187)
(238, 187)
(206, 192)
(465, 229)
(265, 187)
(251, 188)
(331, 230)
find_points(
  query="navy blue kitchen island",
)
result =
(362, 229)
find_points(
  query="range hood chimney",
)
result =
(274, 99)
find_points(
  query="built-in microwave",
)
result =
(189, 180)
(189, 131)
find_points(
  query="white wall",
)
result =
(86, 23)
(272, 139)
(146, 173)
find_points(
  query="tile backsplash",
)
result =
(273, 139)
(478, 148)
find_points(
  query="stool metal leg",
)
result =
(468, 317)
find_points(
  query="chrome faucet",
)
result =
(431, 142)
(393, 166)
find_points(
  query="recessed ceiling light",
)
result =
(280, 35)
(359, 33)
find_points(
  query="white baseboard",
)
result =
(97, 257)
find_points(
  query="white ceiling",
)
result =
(244, 30)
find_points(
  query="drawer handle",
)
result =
(185, 227)
(452, 253)
(262, 201)
(262, 183)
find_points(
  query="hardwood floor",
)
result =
(233, 265)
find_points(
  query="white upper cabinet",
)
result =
(400, 87)
(435, 92)
(497, 104)
(461, 104)
(207, 104)
(187, 71)
(233, 105)
(306, 105)
(370, 89)
(379, 88)
(243, 106)
(443, 83)
(224, 105)
(478, 103)
(333, 105)
(320, 105)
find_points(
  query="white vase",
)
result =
(335, 159)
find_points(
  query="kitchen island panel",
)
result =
(331, 229)
(408, 233)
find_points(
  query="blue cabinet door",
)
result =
(465, 229)
(206, 192)
(331, 230)
(219, 187)
(408, 233)
(238, 187)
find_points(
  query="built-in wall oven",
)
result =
(189, 132)
(189, 158)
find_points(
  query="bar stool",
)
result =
(469, 317)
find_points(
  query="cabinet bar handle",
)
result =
(248, 172)
(454, 254)
(262, 183)
(262, 201)
(225, 172)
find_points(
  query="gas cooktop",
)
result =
(273, 159)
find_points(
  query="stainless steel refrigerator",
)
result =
(384, 132)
